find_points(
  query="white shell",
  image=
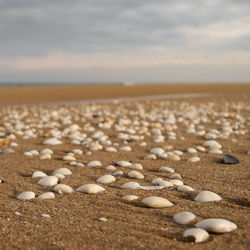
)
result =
(191, 150)
(185, 188)
(175, 176)
(206, 196)
(164, 183)
(212, 144)
(156, 180)
(131, 185)
(156, 202)
(174, 158)
(90, 189)
(137, 166)
(135, 175)
(110, 167)
(110, 149)
(26, 196)
(94, 164)
(105, 179)
(166, 169)
(62, 188)
(194, 159)
(38, 174)
(216, 225)
(196, 235)
(130, 197)
(69, 158)
(46, 195)
(215, 151)
(176, 182)
(46, 151)
(45, 157)
(63, 171)
(52, 141)
(59, 176)
(125, 148)
(183, 218)
(157, 151)
(124, 163)
(48, 181)
(151, 187)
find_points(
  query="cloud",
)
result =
(82, 34)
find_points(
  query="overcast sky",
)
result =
(124, 40)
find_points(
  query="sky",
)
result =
(124, 41)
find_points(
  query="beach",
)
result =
(30, 115)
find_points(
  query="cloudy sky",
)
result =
(124, 40)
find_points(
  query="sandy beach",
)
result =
(74, 218)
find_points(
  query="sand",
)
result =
(73, 222)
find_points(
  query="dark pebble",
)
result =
(229, 159)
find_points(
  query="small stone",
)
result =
(46, 196)
(79, 164)
(8, 151)
(62, 188)
(52, 141)
(156, 180)
(215, 151)
(17, 213)
(110, 149)
(164, 183)
(26, 196)
(105, 179)
(135, 175)
(166, 170)
(151, 187)
(185, 188)
(130, 197)
(63, 171)
(46, 151)
(90, 189)
(191, 150)
(207, 196)
(196, 235)
(150, 157)
(94, 164)
(125, 148)
(229, 159)
(216, 225)
(157, 151)
(183, 218)
(212, 144)
(200, 148)
(48, 181)
(156, 202)
(38, 174)
(131, 185)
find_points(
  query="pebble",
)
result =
(207, 196)
(216, 225)
(156, 202)
(130, 197)
(63, 188)
(164, 183)
(90, 189)
(166, 169)
(150, 157)
(212, 144)
(200, 148)
(183, 218)
(17, 213)
(48, 181)
(151, 187)
(26, 196)
(110, 149)
(135, 174)
(131, 185)
(185, 188)
(63, 171)
(175, 176)
(191, 150)
(156, 180)
(38, 174)
(105, 179)
(194, 159)
(46, 196)
(52, 141)
(125, 148)
(94, 164)
(157, 151)
(196, 235)
(215, 151)
(229, 159)
(8, 151)
(46, 151)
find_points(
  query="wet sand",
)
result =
(74, 217)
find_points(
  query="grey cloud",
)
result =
(34, 28)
